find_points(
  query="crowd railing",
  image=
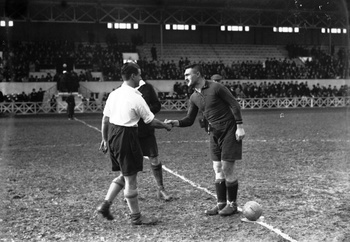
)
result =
(177, 105)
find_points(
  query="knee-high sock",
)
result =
(116, 186)
(220, 186)
(232, 190)
(132, 199)
(158, 175)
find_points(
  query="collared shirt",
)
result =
(125, 106)
(141, 83)
(216, 102)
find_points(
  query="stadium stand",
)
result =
(38, 61)
(257, 58)
(225, 53)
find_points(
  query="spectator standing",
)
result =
(70, 106)
(40, 95)
(154, 52)
(33, 97)
(62, 82)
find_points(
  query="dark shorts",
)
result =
(125, 150)
(223, 143)
(149, 146)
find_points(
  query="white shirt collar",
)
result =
(131, 88)
(141, 83)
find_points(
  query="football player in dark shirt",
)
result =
(148, 139)
(225, 125)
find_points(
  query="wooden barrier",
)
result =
(178, 105)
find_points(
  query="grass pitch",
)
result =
(296, 165)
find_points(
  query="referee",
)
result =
(148, 139)
(124, 108)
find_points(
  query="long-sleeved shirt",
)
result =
(151, 98)
(217, 104)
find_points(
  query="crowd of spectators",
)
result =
(239, 89)
(318, 65)
(19, 59)
(265, 89)
(281, 89)
(35, 96)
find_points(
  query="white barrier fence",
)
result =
(270, 103)
(178, 105)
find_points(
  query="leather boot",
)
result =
(104, 210)
(229, 209)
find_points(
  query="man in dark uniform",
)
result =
(148, 139)
(223, 113)
(70, 106)
(123, 110)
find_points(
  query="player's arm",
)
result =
(148, 117)
(236, 110)
(227, 96)
(104, 132)
(154, 103)
(160, 125)
(188, 120)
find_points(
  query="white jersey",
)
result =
(125, 106)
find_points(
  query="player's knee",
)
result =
(228, 168)
(218, 170)
(219, 176)
(120, 181)
(130, 193)
(217, 166)
(229, 173)
(130, 182)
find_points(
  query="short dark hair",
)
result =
(196, 67)
(128, 69)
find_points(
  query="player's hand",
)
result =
(240, 133)
(172, 122)
(103, 147)
(168, 126)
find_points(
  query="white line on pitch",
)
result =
(90, 126)
(277, 231)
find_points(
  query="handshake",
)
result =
(170, 124)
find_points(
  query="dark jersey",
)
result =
(151, 98)
(217, 104)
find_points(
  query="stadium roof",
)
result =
(259, 13)
(314, 5)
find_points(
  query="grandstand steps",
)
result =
(210, 53)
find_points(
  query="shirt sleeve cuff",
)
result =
(239, 121)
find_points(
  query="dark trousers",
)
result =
(70, 110)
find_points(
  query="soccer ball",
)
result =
(252, 210)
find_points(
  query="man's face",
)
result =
(191, 77)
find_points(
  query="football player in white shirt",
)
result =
(124, 107)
